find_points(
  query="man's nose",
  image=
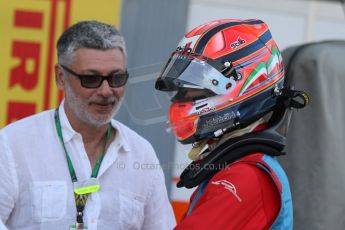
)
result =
(104, 89)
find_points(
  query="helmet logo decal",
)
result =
(261, 70)
(220, 119)
(228, 186)
(188, 42)
(237, 43)
(206, 110)
(184, 50)
(202, 106)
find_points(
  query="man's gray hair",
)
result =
(88, 34)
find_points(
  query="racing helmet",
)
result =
(225, 74)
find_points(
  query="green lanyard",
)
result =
(80, 199)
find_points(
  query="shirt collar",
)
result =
(121, 136)
(69, 132)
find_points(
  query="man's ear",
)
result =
(59, 77)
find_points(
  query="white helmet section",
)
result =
(189, 42)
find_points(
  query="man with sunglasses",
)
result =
(73, 167)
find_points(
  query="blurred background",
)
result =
(152, 29)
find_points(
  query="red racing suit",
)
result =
(250, 193)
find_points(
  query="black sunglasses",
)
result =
(92, 81)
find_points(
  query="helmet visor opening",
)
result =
(191, 71)
(189, 94)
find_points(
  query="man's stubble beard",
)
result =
(79, 108)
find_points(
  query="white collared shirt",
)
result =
(36, 191)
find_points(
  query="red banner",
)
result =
(29, 30)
